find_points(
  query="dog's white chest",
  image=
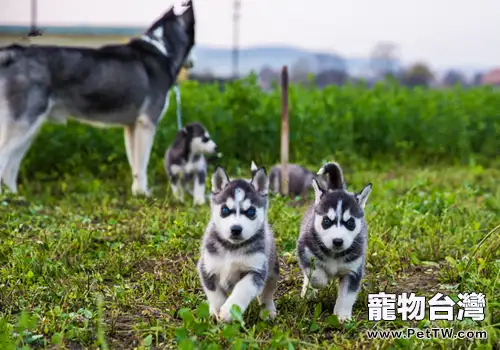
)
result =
(335, 267)
(230, 266)
(191, 167)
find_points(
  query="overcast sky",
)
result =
(440, 32)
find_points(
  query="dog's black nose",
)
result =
(337, 242)
(236, 231)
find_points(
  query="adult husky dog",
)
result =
(124, 85)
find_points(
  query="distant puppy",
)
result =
(334, 233)
(300, 178)
(185, 163)
(238, 260)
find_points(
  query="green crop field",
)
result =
(84, 265)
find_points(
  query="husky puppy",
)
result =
(238, 260)
(333, 234)
(185, 163)
(300, 178)
(126, 85)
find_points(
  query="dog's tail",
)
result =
(335, 179)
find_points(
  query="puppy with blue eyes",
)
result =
(333, 239)
(238, 260)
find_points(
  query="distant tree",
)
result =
(419, 74)
(330, 69)
(384, 59)
(477, 80)
(300, 70)
(454, 77)
(267, 76)
(331, 77)
(329, 62)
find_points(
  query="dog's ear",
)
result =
(253, 166)
(219, 180)
(260, 181)
(318, 190)
(362, 197)
(335, 175)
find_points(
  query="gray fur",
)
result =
(345, 262)
(125, 85)
(300, 179)
(233, 261)
(185, 163)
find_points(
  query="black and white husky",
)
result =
(300, 178)
(238, 260)
(333, 239)
(125, 85)
(185, 163)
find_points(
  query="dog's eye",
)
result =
(251, 212)
(225, 211)
(350, 224)
(326, 222)
(205, 139)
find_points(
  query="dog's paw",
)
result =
(343, 315)
(268, 313)
(214, 313)
(140, 192)
(225, 314)
(199, 201)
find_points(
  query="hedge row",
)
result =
(387, 122)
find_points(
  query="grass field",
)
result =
(83, 265)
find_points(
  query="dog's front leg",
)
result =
(12, 168)
(318, 279)
(199, 188)
(210, 284)
(177, 189)
(143, 137)
(347, 293)
(246, 290)
(128, 133)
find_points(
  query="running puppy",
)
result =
(185, 163)
(333, 234)
(238, 260)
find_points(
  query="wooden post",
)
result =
(284, 131)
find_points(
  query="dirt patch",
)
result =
(423, 279)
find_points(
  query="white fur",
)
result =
(228, 266)
(165, 106)
(249, 226)
(200, 147)
(177, 190)
(190, 167)
(16, 136)
(144, 133)
(253, 166)
(323, 273)
(337, 231)
(345, 301)
(317, 191)
(156, 39)
(363, 196)
(197, 148)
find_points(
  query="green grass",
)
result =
(85, 265)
